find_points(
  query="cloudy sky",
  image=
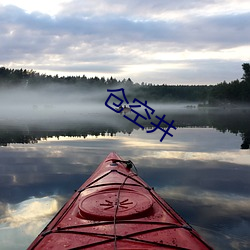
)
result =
(157, 41)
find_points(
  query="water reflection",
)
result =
(200, 171)
(101, 124)
(33, 209)
(20, 222)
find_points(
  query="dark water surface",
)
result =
(202, 171)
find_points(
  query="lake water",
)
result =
(203, 171)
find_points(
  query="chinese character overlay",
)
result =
(119, 105)
(119, 109)
(170, 125)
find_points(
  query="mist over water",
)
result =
(201, 169)
(50, 103)
(56, 103)
(58, 109)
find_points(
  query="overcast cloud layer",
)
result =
(160, 41)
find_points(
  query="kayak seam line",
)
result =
(120, 222)
(53, 227)
(173, 212)
(44, 233)
(166, 208)
(99, 178)
(62, 230)
(110, 184)
(128, 237)
(114, 170)
(81, 190)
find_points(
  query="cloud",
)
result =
(29, 210)
(115, 38)
(26, 220)
(148, 10)
(229, 204)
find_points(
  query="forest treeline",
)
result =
(236, 91)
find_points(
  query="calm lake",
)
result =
(203, 171)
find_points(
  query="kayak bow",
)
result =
(116, 209)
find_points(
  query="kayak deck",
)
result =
(116, 209)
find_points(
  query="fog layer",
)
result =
(50, 103)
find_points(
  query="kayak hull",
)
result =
(116, 209)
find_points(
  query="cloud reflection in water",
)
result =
(207, 184)
(21, 222)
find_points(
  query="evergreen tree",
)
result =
(246, 69)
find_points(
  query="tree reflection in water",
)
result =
(233, 121)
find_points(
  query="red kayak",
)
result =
(116, 209)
